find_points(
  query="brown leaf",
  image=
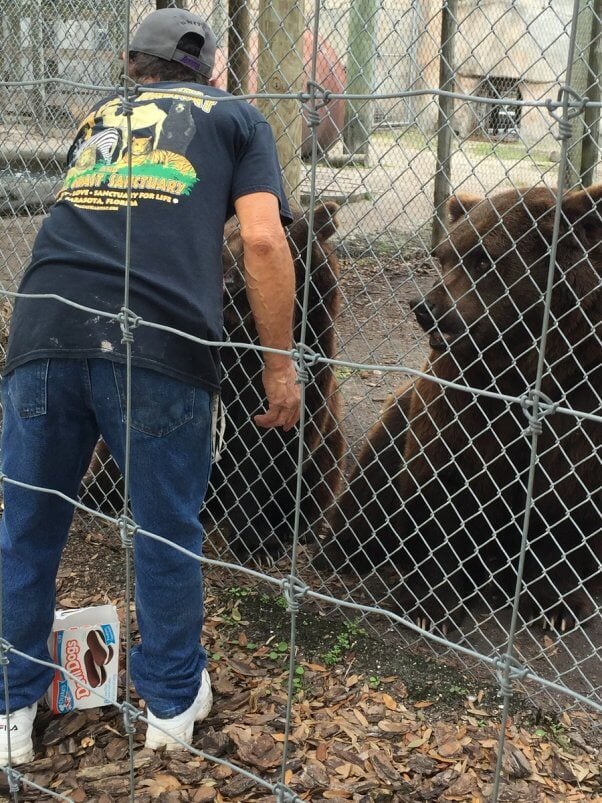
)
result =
(417, 742)
(167, 781)
(361, 718)
(258, 719)
(256, 748)
(450, 748)
(68, 602)
(321, 751)
(220, 772)
(189, 773)
(515, 763)
(314, 776)
(314, 667)
(389, 702)
(389, 726)
(346, 755)
(116, 749)
(204, 794)
(237, 787)
(446, 737)
(560, 770)
(152, 788)
(245, 669)
(383, 767)
(62, 727)
(101, 771)
(478, 712)
(461, 787)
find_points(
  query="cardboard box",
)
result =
(85, 641)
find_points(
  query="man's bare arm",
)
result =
(270, 286)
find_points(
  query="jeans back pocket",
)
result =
(27, 388)
(159, 403)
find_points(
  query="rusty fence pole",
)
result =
(590, 152)
(442, 187)
(280, 70)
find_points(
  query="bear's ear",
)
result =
(583, 208)
(458, 205)
(325, 219)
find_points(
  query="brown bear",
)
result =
(438, 499)
(252, 488)
(253, 485)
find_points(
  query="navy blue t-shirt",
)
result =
(192, 156)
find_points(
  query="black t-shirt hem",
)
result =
(142, 362)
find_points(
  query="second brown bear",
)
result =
(446, 483)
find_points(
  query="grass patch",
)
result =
(505, 151)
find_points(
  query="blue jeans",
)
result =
(54, 411)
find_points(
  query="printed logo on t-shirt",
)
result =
(100, 158)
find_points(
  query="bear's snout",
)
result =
(424, 313)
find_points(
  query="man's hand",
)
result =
(283, 395)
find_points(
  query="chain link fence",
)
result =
(445, 481)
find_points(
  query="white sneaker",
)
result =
(21, 743)
(161, 732)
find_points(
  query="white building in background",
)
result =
(515, 49)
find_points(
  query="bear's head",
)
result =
(495, 262)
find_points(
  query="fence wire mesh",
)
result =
(444, 482)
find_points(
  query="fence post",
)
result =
(218, 19)
(12, 42)
(361, 60)
(579, 80)
(590, 150)
(442, 188)
(37, 94)
(279, 70)
(239, 58)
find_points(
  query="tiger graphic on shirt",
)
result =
(119, 159)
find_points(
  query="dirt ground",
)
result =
(371, 721)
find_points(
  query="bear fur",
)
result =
(251, 495)
(253, 485)
(436, 502)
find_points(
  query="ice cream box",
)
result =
(85, 642)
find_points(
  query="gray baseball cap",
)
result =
(159, 34)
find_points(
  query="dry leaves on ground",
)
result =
(349, 740)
